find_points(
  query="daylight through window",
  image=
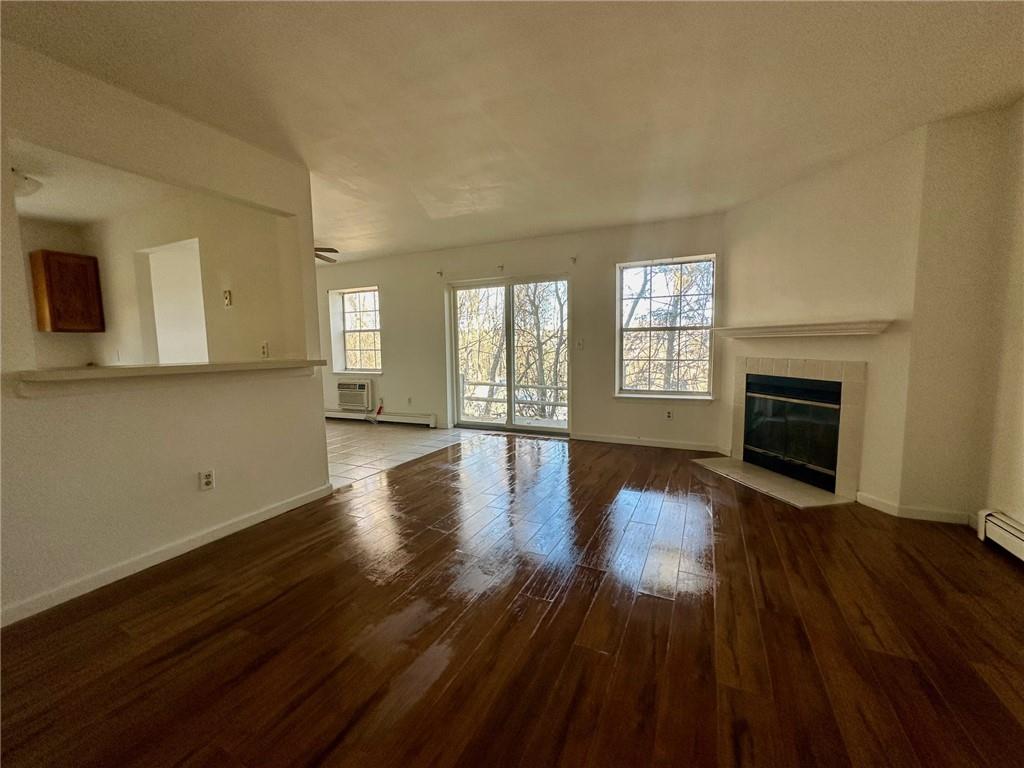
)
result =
(355, 325)
(666, 310)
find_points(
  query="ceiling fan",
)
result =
(320, 254)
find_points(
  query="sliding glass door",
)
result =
(512, 354)
(482, 352)
(540, 354)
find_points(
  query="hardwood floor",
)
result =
(515, 601)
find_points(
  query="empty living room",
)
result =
(512, 384)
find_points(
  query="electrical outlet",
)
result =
(207, 480)
(669, 415)
(410, 401)
(227, 299)
(265, 350)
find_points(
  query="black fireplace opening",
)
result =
(791, 426)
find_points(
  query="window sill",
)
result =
(665, 396)
(357, 373)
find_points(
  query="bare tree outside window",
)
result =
(540, 323)
(666, 314)
(355, 330)
(480, 315)
(537, 313)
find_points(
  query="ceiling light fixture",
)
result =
(25, 185)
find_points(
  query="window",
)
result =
(665, 313)
(355, 329)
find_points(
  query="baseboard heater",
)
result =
(1004, 531)
(426, 419)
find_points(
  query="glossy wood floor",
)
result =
(513, 601)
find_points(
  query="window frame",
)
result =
(341, 337)
(637, 394)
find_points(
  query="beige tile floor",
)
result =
(359, 449)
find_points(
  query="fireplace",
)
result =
(791, 426)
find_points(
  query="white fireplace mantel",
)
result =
(844, 328)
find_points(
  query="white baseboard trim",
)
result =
(76, 587)
(882, 505)
(626, 440)
(426, 419)
(934, 514)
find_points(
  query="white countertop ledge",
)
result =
(93, 372)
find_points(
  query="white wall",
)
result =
(176, 278)
(241, 251)
(1005, 488)
(413, 335)
(961, 269)
(839, 245)
(100, 480)
(244, 249)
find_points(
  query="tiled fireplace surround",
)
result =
(851, 373)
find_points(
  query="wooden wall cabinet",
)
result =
(67, 292)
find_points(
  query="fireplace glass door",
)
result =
(791, 426)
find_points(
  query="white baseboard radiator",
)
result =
(426, 419)
(355, 401)
(1003, 530)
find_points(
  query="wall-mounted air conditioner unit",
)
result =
(354, 395)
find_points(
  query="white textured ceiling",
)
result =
(430, 125)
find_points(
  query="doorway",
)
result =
(179, 314)
(512, 355)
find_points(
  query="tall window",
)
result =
(355, 329)
(665, 314)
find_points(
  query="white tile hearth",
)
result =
(772, 483)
